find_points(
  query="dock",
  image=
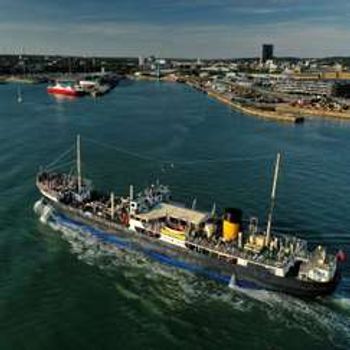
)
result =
(258, 112)
(267, 114)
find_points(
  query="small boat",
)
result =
(88, 85)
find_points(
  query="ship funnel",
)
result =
(231, 224)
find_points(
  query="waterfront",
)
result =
(72, 296)
(272, 104)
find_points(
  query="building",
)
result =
(267, 52)
(141, 61)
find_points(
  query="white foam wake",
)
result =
(314, 318)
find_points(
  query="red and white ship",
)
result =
(66, 88)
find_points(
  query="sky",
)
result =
(176, 28)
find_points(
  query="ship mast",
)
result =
(273, 197)
(112, 205)
(78, 163)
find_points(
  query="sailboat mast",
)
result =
(273, 197)
(19, 94)
(78, 163)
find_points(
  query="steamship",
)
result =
(220, 246)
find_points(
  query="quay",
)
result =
(258, 112)
(271, 114)
(309, 112)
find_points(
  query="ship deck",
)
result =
(163, 210)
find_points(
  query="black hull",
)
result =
(250, 276)
(289, 285)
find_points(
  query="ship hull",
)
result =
(242, 276)
(64, 92)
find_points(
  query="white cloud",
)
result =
(123, 39)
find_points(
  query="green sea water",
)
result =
(60, 293)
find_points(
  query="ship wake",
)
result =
(315, 318)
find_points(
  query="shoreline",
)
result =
(280, 112)
(314, 112)
(247, 110)
(256, 112)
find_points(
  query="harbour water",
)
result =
(58, 292)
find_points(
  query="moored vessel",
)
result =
(66, 88)
(222, 246)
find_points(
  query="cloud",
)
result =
(134, 39)
(204, 28)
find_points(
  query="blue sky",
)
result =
(187, 28)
